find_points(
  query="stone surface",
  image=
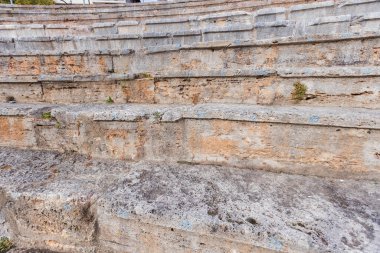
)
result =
(332, 142)
(213, 85)
(132, 12)
(349, 92)
(140, 207)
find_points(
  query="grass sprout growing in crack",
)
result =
(46, 115)
(299, 91)
(109, 100)
(157, 116)
(5, 244)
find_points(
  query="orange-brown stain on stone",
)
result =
(271, 55)
(52, 63)
(214, 142)
(117, 143)
(139, 91)
(241, 56)
(194, 64)
(350, 152)
(24, 66)
(75, 65)
(141, 140)
(12, 131)
(102, 64)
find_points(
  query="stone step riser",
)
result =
(128, 37)
(313, 144)
(197, 60)
(345, 92)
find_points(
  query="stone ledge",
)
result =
(151, 13)
(281, 139)
(238, 6)
(140, 42)
(152, 7)
(134, 7)
(303, 115)
(316, 5)
(141, 26)
(323, 72)
(73, 52)
(171, 207)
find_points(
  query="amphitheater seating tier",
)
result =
(191, 126)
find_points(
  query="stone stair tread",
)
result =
(308, 115)
(198, 205)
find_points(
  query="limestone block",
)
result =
(270, 14)
(274, 138)
(275, 29)
(172, 207)
(312, 10)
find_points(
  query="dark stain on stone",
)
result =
(212, 211)
(6, 167)
(252, 221)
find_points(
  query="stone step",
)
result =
(71, 203)
(93, 57)
(265, 33)
(360, 91)
(164, 25)
(14, 16)
(79, 9)
(289, 9)
(206, 24)
(227, 27)
(339, 71)
(331, 142)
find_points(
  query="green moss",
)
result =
(5, 244)
(299, 91)
(46, 115)
(109, 100)
(34, 2)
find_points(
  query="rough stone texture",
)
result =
(130, 12)
(336, 73)
(213, 86)
(348, 92)
(333, 142)
(48, 198)
(148, 207)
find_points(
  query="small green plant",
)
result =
(144, 75)
(109, 100)
(299, 91)
(157, 116)
(34, 2)
(46, 115)
(5, 244)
